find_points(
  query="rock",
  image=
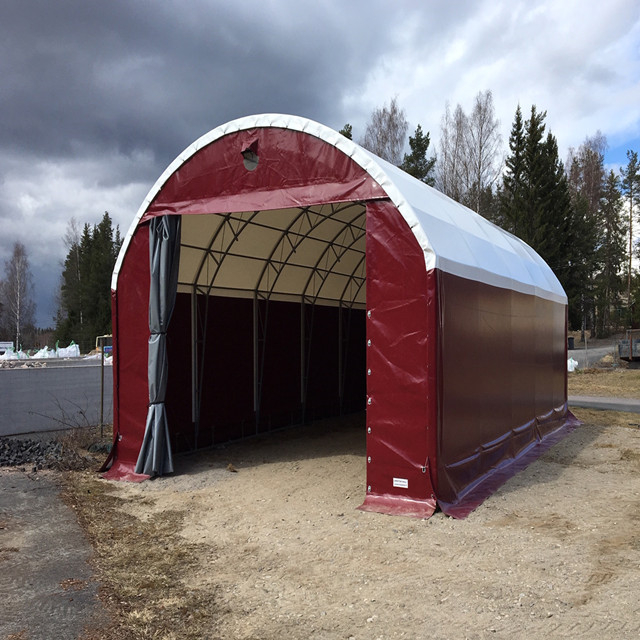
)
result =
(15, 452)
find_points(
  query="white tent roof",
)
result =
(453, 238)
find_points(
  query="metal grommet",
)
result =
(369, 314)
(369, 430)
(368, 343)
(369, 488)
(368, 372)
(369, 459)
(369, 401)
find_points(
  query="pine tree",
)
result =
(610, 253)
(85, 292)
(631, 189)
(347, 131)
(416, 163)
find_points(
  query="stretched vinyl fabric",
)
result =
(466, 332)
(164, 257)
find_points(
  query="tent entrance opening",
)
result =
(269, 322)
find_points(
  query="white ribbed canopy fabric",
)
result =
(319, 252)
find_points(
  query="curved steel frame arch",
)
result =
(289, 241)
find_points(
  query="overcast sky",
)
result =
(97, 98)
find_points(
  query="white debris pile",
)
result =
(572, 365)
(72, 351)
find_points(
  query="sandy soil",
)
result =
(282, 551)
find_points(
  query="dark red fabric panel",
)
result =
(322, 363)
(130, 342)
(401, 354)
(503, 386)
(294, 169)
(227, 403)
(280, 403)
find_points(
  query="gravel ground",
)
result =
(27, 452)
(284, 553)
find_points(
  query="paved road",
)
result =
(631, 405)
(47, 588)
(53, 397)
(588, 357)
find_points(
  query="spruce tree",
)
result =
(416, 163)
(85, 292)
(610, 254)
(347, 131)
(511, 193)
(631, 189)
(534, 201)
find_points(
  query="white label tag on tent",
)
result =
(403, 483)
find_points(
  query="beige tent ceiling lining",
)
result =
(315, 254)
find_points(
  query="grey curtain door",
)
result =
(164, 254)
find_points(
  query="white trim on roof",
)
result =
(452, 237)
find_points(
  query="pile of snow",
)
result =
(72, 351)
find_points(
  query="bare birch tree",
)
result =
(451, 170)
(469, 161)
(17, 294)
(483, 145)
(386, 132)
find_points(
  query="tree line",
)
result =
(84, 305)
(84, 295)
(575, 214)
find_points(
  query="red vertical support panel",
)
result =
(401, 376)
(130, 339)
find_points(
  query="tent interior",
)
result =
(269, 322)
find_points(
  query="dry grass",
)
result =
(607, 418)
(620, 383)
(140, 565)
(77, 448)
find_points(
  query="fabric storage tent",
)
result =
(277, 272)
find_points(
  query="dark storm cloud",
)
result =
(83, 76)
(98, 97)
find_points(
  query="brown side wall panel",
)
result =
(503, 383)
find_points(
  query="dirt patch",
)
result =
(278, 549)
(141, 560)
